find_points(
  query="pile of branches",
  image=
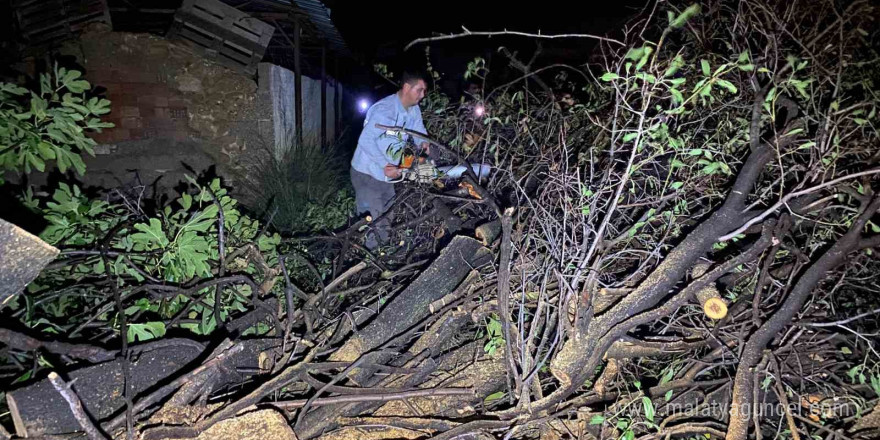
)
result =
(681, 247)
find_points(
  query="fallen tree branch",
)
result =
(380, 397)
(21, 341)
(468, 33)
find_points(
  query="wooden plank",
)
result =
(297, 85)
(224, 33)
(323, 98)
(45, 22)
(221, 33)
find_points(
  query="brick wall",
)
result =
(160, 89)
(144, 106)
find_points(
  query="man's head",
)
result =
(413, 89)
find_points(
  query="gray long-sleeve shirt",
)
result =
(377, 147)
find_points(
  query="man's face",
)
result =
(413, 93)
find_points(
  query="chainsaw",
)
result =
(425, 171)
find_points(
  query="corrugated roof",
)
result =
(316, 13)
(319, 15)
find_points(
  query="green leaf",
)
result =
(146, 331)
(680, 21)
(765, 384)
(668, 395)
(45, 150)
(494, 396)
(726, 84)
(151, 233)
(609, 76)
(597, 419)
(36, 162)
(649, 408)
(677, 97)
(677, 185)
(635, 53)
(677, 63)
(78, 86)
(646, 55)
(845, 350)
(186, 201)
(705, 66)
(630, 136)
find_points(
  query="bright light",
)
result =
(479, 110)
(363, 105)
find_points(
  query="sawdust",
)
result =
(374, 432)
(349, 352)
(264, 424)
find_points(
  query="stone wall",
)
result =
(177, 112)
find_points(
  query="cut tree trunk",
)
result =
(38, 409)
(412, 304)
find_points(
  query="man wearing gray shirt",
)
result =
(378, 153)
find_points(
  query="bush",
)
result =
(306, 190)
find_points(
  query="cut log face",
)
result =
(713, 305)
(22, 257)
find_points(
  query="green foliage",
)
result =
(494, 337)
(178, 245)
(49, 124)
(307, 189)
(476, 68)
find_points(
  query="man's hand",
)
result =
(392, 171)
(426, 147)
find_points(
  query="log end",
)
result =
(715, 308)
(24, 257)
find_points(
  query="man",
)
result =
(378, 153)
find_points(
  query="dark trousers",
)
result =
(373, 196)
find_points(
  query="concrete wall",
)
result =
(283, 95)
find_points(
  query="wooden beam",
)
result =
(323, 97)
(297, 85)
(145, 10)
(337, 98)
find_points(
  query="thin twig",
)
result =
(468, 33)
(790, 196)
(76, 407)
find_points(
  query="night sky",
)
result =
(378, 31)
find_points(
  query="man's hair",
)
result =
(412, 76)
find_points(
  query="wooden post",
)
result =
(297, 84)
(337, 97)
(323, 97)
